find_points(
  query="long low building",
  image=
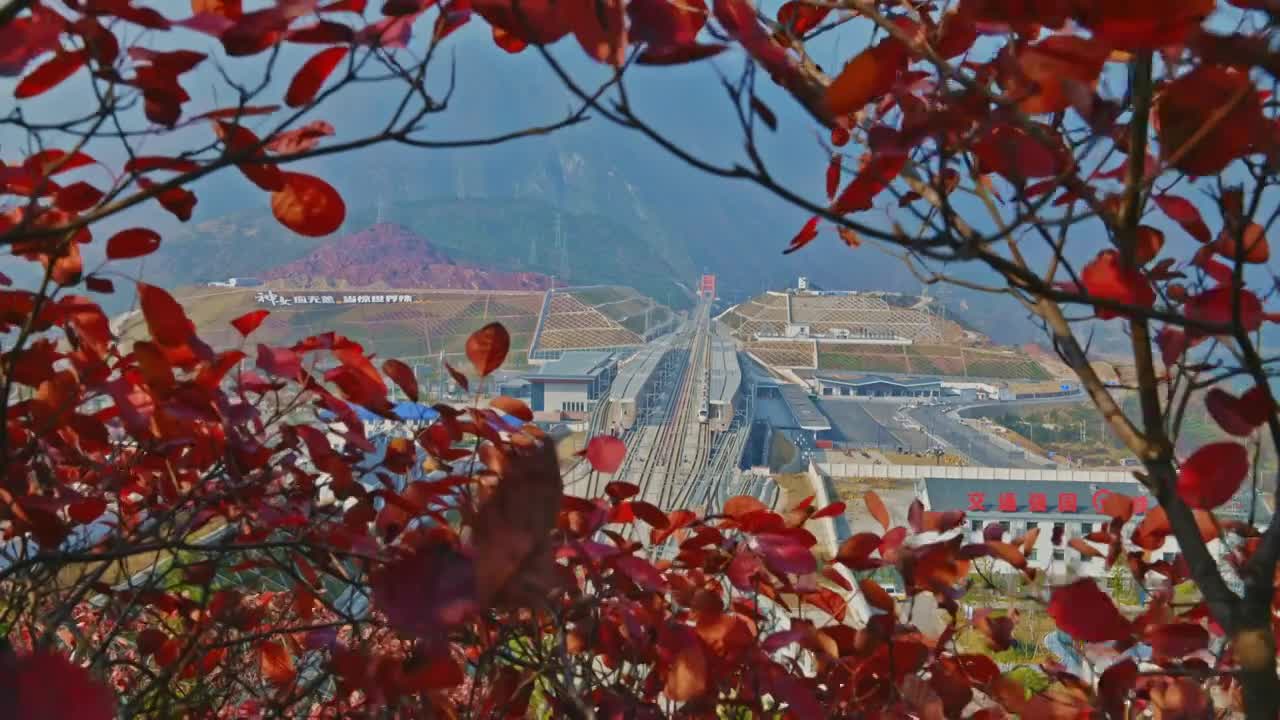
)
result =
(1072, 509)
(632, 390)
(724, 376)
(803, 409)
(880, 386)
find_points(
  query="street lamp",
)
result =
(1033, 428)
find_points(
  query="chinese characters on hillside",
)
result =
(274, 299)
(1038, 502)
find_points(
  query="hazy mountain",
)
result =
(387, 255)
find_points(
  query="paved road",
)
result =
(977, 446)
(857, 426)
(912, 439)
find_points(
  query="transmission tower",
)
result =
(562, 246)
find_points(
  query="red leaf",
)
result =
(619, 490)
(849, 237)
(1107, 277)
(835, 509)
(277, 664)
(458, 377)
(1114, 688)
(802, 238)
(874, 175)
(856, 551)
(249, 322)
(1086, 613)
(1213, 474)
(242, 142)
(179, 201)
(49, 74)
(308, 205)
(56, 162)
(1142, 24)
(1175, 640)
(833, 176)
(1084, 548)
(650, 513)
(687, 676)
(77, 197)
(800, 17)
(1050, 65)
(226, 8)
(1149, 243)
(1181, 211)
(1173, 344)
(314, 72)
(281, 362)
(667, 26)
(45, 686)
(99, 284)
(783, 553)
(1230, 413)
(1187, 107)
(1256, 249)
(678, 54)
(866, 77)
(1018, 155)
(1006, 552)
(1215, 306)
(166, 320)
(86, 511)
(132, 243)
(150, 641)
(402, 375)
(507, 41)
(487, 348)
(300, 139)
(511, 532)
(605, 453)
(146, 163)
(740, 506)
(324, 32)
(876, 507)
(514, 407)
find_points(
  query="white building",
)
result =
(1074, 507)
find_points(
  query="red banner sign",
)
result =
(1039, 502)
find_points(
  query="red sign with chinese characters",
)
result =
(1038, 502)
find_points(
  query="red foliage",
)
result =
(1213, 474)
(292, 565)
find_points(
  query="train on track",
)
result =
(704, 397)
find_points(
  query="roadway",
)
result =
(938, 422)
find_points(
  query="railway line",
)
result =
(684, 429)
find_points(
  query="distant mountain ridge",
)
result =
(389, 255)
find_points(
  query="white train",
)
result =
(704, 397)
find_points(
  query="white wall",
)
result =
(913, 472)
(558, 393)
(1072, 562)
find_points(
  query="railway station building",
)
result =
(571, 385)
(879, 386)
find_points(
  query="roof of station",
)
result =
(802, 407)
(573, 365)
(635, 372)
(726, 374)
